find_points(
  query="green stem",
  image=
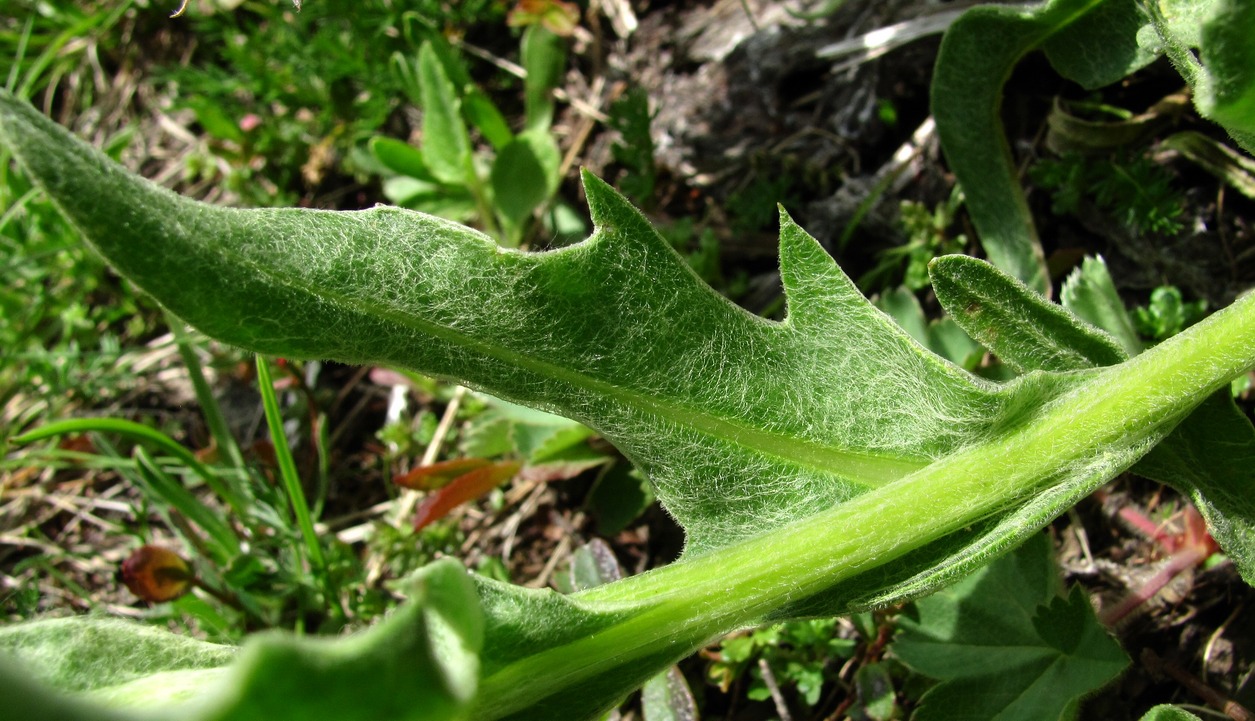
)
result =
(287, 467)
(487, 214)
(1103, 424)
(218, 427)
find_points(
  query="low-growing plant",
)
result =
(61, 346)
(445, 175)
(1138, 193)
(1167, 314)
(1008, 642)
(287, 96)
(805, 655)
(263, 564)
(820, 465)
(1093, 43)
(929, 235)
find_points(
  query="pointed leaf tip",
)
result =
(618, 222)
(601, 198)
(813, 284)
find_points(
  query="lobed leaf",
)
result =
(616, 332)
(1007, 645)
(819, 464)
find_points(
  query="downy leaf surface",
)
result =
(1209, 43)
(820, 464)
(743, 424)
(1168, 712)
(419, 664)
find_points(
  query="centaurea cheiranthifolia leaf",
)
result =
(819, 464)
(743, 424)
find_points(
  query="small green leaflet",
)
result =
(1007, 646)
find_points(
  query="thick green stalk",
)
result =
(1105, 423)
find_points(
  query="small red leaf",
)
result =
(438, 475)
(465, 487)
(557, 16)
(77, 443)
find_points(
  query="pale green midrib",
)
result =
(869, 469)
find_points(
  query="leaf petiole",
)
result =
(1103, 424)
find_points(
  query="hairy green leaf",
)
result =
(1228, 57)
(1099, 46)
(419, 664)
(616, 332)
(1090, 293)
(1025, 330)
(71, 653)
(819, 464)
(667, 697)
(1007, 645)
(1093, 42)
(1168, 712)
(446, 142)
(1222, 71)
(1208, 457)
(977, 55)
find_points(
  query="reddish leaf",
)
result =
(558, 17)
(209, 454)
(466, 487)
(77, 443)
(438, 475)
